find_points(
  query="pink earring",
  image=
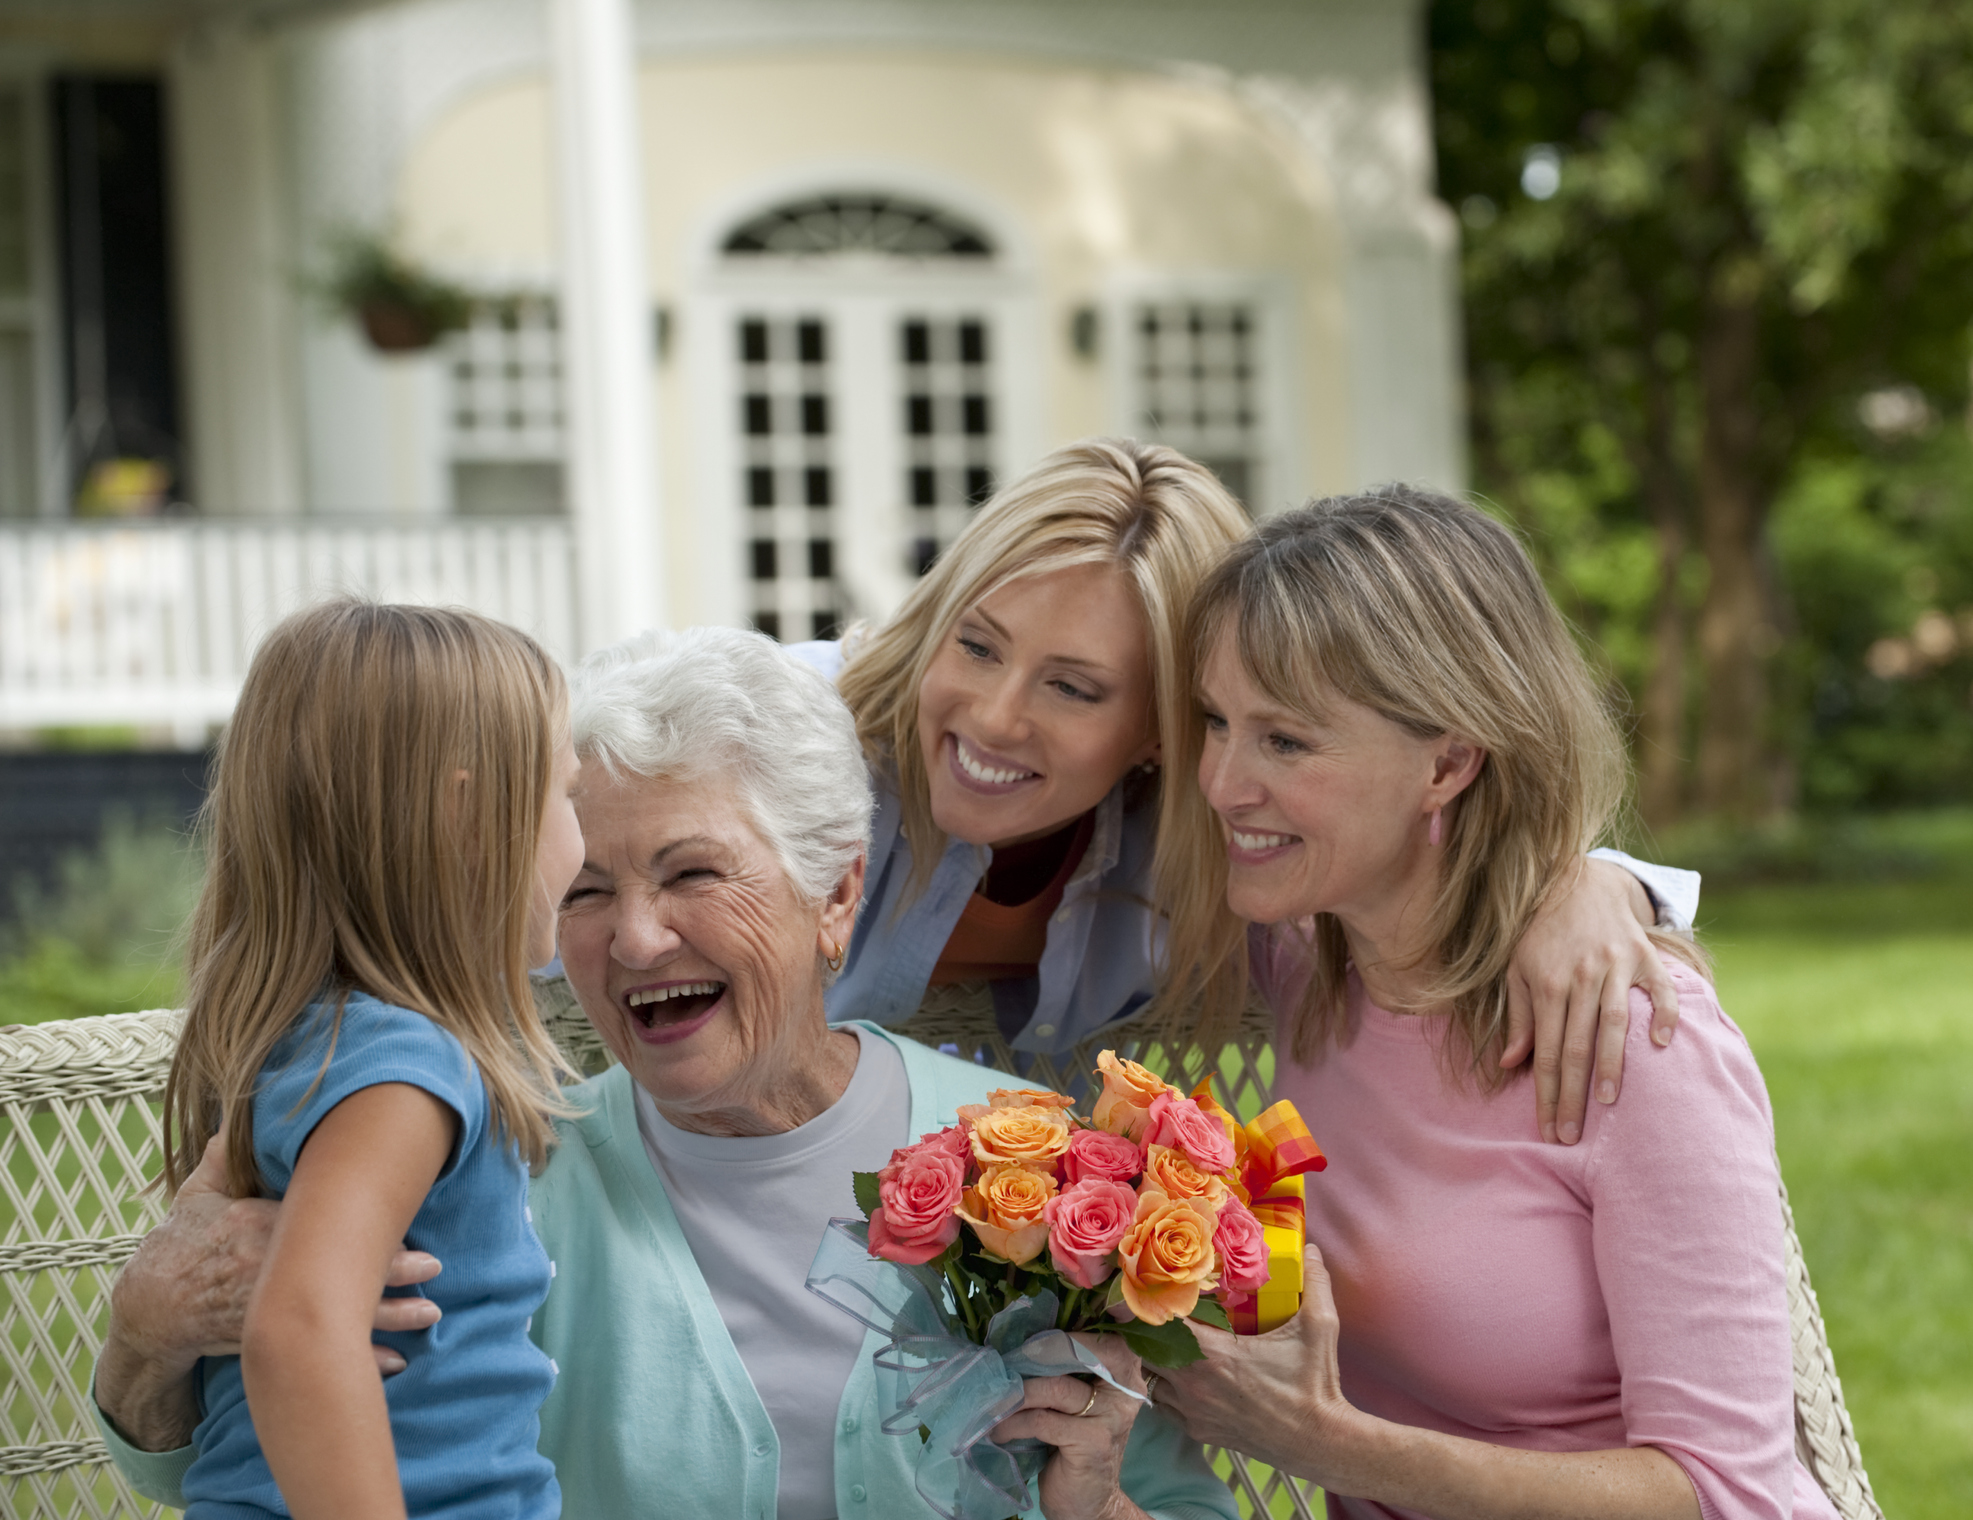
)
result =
(1438, 821)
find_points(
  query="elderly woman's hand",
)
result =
(184, 1295)
(1088, 1424)
(1277, 1397)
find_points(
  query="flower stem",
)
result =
(961, 1291)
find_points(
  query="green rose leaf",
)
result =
(1171, 1344)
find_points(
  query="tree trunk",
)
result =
(1737, 638)
(1661, 731)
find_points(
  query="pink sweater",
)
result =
(1625, 1291)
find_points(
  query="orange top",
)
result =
(997, 941)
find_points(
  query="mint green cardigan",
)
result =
(653, 1410)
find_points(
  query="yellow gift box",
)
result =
(1284, 1226)
(1273, 1153)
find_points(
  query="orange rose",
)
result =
(1023, 1136)
(1170, 1171)
(1167, 1256)
(1027, 1097)
(1007, 1209)
(1128, 1093)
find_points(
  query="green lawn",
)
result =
(1859, 1003)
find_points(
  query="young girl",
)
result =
(389, 833)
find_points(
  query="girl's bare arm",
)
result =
(313, 1388)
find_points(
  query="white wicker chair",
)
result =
(79, 1140)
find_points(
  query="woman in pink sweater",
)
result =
(1406, 754)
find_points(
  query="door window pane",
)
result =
(949, 427)
(787, 440)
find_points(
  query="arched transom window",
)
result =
(880, 224)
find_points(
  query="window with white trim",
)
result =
(505, 420)
(832, 225)
(1197, 371)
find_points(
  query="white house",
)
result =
(784, 287)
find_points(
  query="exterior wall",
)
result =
(1097, 180)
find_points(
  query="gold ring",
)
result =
(1151, 1388)
(1090, 1405)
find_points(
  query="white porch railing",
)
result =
(153, 623)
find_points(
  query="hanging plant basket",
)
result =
(396, 328)
(400, 308)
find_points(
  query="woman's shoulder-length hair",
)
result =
(1430, 613)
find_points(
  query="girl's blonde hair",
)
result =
(375, 812)
(1429, 612)
(1156, 515)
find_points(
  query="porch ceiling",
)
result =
(182, 12)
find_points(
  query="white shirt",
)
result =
(753, 1209)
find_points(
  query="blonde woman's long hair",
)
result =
(375, 812)
(1158, 516)
(1428, 612)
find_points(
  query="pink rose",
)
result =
(1242, 1251)
(920, 1189)
(1098, 1153)
(1084, 1225)
(952, 1140)
(1182, 1124)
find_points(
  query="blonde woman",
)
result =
(390, 834)
(1015, 713)
(1402, 756)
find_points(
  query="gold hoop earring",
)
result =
(834, 960)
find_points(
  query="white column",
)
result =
(606, 322)
(235, 263)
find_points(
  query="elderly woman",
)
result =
(725, 818)
(1015, 714)
(1403, 752)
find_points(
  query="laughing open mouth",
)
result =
(677, 1003)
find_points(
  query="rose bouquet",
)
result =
(985, 1244)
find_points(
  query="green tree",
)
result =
(1698, 232)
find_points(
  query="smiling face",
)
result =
(1329, 817)
(1036, 705)
(690, 950)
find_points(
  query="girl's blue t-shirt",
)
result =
(465, 1411)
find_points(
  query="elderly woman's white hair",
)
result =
(719, 702)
